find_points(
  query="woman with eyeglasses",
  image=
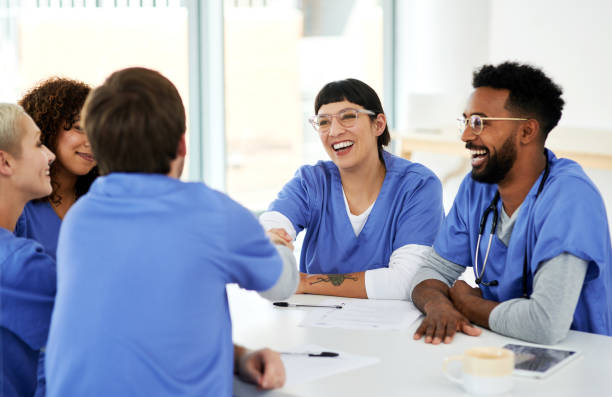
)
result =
(55, 106)
(369, 216)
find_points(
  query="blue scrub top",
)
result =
(569, 216)
(40, 222)
(27, 289)
(408, 210)
(141, 307)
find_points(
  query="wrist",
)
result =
(239, 354)
(437, 304)
(459, 301)
(301, 288)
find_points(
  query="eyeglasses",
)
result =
(347, 118)
(477, 122)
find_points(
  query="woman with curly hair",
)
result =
(55, 106)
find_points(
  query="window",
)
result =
(88, 40)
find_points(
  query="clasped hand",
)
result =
(281, 237)
(444, 317)
(459, 294)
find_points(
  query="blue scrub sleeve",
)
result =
(421, 215)
(27, 290)
(571, 218)
(453, 241)
(293, 200)
(252, 260)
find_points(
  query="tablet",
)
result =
(539, 362)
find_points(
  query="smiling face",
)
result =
(494, 151)
(354, 146)
(32, 166)
(73, 150)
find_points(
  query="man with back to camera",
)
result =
(144, 259)
(533, 226)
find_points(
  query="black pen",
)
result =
(321, 354)
(287, 304)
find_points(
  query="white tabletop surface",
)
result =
(406, 366)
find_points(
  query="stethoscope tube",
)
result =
(483, 221)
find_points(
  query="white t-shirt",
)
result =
(391, 282)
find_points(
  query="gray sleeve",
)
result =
(437, 268)
(288, 281)
(546, 317)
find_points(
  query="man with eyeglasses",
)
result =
(532, 226)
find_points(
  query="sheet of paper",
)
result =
(363, 314)
(302, 368)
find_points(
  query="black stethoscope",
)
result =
(483, 221)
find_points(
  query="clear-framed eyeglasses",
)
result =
(346, 117)
(477, 122)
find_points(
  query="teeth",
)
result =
(341, 145)
(478, 152)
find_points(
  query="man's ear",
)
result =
(181, 150)
(6, 163)
(529, 131)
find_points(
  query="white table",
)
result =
(406, 366)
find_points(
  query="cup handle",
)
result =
(445, 363)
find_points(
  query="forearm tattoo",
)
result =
(335, 279)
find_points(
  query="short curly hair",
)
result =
(53, 104)
(532, 93)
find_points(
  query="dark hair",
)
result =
(134, 122)
(359, 93)
(532, 93)
(53, 104)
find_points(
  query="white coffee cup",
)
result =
(486, 370)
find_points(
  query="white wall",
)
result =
(571, 41)
(438, 46)
(440, 42)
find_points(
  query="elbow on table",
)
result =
(550, 335)
(545, 326)
(280, 291)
